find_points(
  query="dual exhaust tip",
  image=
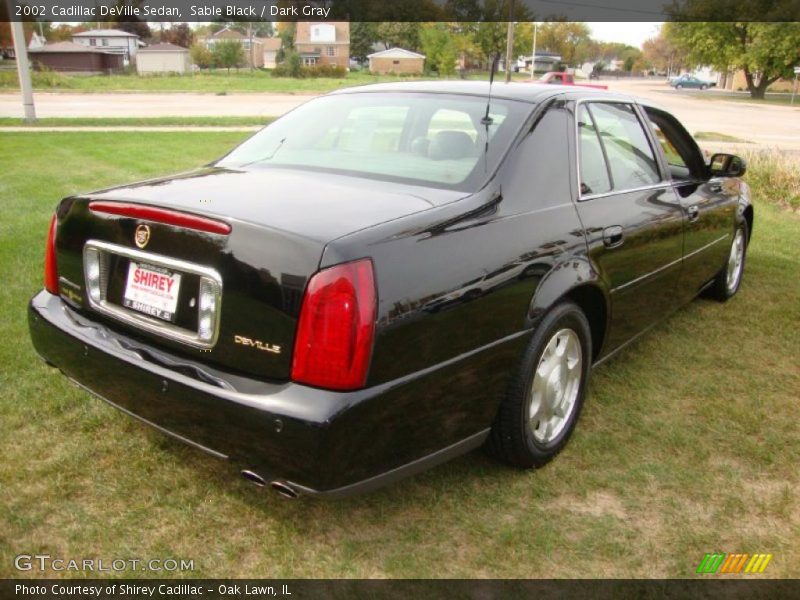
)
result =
(281, 488)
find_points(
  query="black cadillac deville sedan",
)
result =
(389, 276)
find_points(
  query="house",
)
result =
(323, 43)
(75, 58)
(271, 47)
(163, 58)
(545, 62)
(113, 41)
(396, 60)
(253, 57)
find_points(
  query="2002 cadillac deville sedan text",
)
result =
(389, 276)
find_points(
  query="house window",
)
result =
(323, 32)
(310, 61)
(395, 62)
(93, 42)
(331, 51)
(105, 42)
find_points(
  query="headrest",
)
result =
(450, 145)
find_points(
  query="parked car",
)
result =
(561, 78)
(690, 82)
(273, 308)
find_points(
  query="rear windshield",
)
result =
(428, 139)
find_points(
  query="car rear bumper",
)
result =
(316, 441)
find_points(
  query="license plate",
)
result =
(152, 290)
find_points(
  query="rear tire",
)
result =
(546, 394)
(703, 87)
(729, 278)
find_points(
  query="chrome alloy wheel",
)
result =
(555, 386)
(735, 261)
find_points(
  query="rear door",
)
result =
(708, 209)
(633, 220)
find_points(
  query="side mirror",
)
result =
(726, 165)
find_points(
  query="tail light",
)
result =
(50, 266)
(336, 329)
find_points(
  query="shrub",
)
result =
(292, 67)
(774, 177)
(334, 71)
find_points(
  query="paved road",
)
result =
(765, 125)
(60, 104)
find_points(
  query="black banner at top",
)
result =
(399, 10)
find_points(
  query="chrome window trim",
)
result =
(664, 183)
(141, 320)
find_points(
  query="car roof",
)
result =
(525, 92)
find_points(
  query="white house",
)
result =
(111, 40)
(163, 58)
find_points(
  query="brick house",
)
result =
(396, 60)
(254, 58)
(323, 43)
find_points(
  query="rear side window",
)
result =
(594, 172)
(631, 159)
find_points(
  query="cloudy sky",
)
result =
(628, 33)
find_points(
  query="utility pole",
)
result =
(252, 50)
(533, 56)
(23, 69)
(509, 41)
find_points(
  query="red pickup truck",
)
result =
(560, 78)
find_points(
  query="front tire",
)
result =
(545, 396)
(729, 278)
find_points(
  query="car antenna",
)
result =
(487, 120)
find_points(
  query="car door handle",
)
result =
(612, 236)
(693, 213)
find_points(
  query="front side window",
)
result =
(684, 158)
(631, 159)
(431, 139)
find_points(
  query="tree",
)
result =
(61, 33)
(362, 37)
(569, 40)
(764, 52)
(286, 31)
(180, 35)
(660, 54)
(201, 56)
(764, 45)
(438, 47)
(228, 53)
(403, 35)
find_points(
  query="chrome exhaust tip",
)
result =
(254, 478)
(284, 490)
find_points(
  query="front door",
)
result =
(708, 209)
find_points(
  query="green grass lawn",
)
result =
(773, 98)
(715, 136)
(688, 443)
(219, 81)
(213, 82)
